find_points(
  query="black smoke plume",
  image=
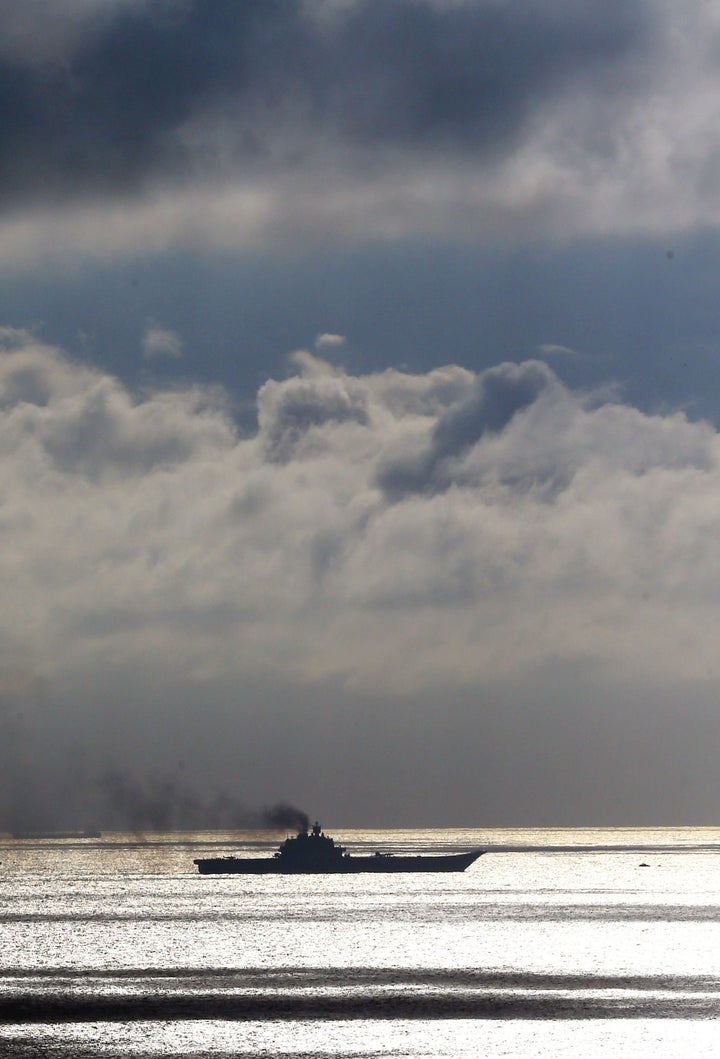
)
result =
(166, 804)
(284, 817)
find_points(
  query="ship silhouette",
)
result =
(315, 853)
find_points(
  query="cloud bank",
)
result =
(396, 538)
(417, 523)
(130, 126)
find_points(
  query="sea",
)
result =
(553, 943)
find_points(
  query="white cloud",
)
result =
(327, 341)
(232, 597)
(146, 527)
(552, 349)
(160, 341)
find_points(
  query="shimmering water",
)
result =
(560, 943)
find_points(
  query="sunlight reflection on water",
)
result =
(525, 953)
(400, 1039)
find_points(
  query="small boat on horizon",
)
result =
(315, 853)
(56, 834)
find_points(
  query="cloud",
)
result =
(159, 341)
(328, 340)
(293, 413)
(551, 349)
(497, 395)
(535, 490)
(163, 89)
(41, 33)
(226, 594)
(133, 126)
(85, 423)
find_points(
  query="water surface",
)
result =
(554, 943)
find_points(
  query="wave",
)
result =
(73, 995)
(57, 1009)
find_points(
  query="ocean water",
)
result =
(555, 943)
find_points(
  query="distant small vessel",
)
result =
(56, 834)
(315, 853)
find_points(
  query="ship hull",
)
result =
(377, 864)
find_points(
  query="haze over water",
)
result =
(116, 947)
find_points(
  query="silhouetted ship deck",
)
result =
(315, 853)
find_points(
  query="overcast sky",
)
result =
(359, 411)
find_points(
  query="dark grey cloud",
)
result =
(494, 398)
(185, 88)
(465, 75)
(41, 32)
(498, 394)
(289, 412)
(111, 115)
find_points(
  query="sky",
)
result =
(359, 412)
